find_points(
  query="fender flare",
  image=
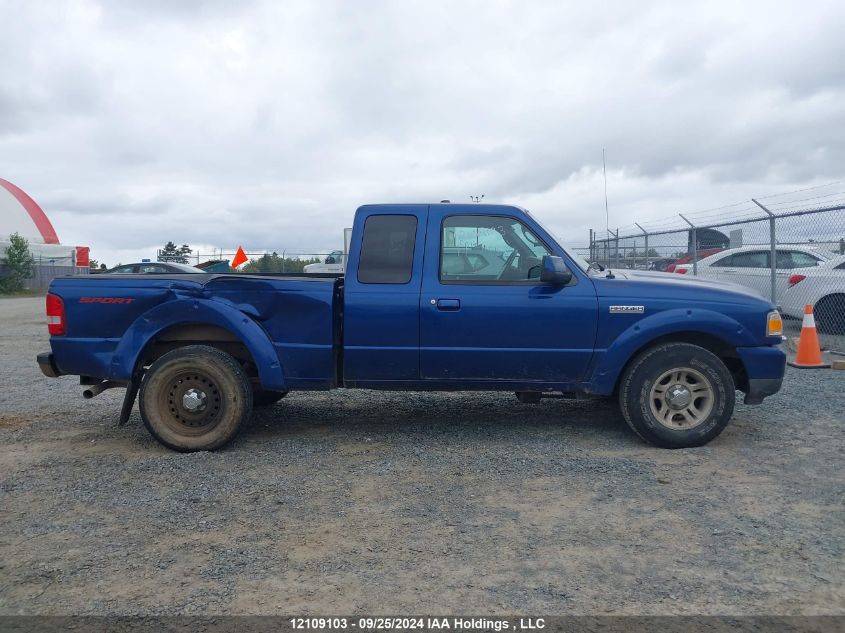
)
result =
(184, 311)
(608, 367)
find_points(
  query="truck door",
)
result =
(485, 315)
(382, 295)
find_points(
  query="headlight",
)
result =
(774, 324)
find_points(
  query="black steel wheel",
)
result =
(195, 398)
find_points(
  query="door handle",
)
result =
(449, 305)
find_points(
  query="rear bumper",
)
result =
(48, 365)
(765, 367)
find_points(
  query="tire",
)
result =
(266, 398)
(829, 313)
(677, 395)
(210, 380)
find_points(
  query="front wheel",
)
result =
(195, 398)
(677, 395)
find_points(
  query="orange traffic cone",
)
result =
(809, 354)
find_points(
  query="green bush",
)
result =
(18, 264)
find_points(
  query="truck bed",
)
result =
(104, 313)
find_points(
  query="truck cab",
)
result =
(489, 323)
(434, 297)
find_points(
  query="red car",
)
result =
(687, 259)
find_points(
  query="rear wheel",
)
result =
(195, 398)
(266, 398)
(830, 314)
(677, 395)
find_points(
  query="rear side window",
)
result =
(802, 260)
(387, 251)
(751, 259)
(724, 262)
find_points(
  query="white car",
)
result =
(334, 262)
(749, 266)
(823, 287)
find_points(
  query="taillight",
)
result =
(56, 316)
(681, 271)
(794, 279)
(670, 268)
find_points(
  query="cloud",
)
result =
(266, 124)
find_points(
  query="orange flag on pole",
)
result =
(240, 258)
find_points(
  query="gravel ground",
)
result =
(413, 503)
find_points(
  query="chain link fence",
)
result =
(789, 248)
(264, 261)
(45, 269)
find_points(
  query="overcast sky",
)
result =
(267, 123)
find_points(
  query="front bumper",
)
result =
(759, 388)
(765, 367)
(48, 365)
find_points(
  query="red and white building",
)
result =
(19, 213)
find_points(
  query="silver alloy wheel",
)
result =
(681, 398)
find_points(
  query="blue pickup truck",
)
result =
(435, 297)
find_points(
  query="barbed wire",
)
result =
(788, 193)
(742, 212)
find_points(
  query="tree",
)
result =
(275, 264)
(173, 253)
(18, 264)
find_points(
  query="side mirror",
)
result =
(554, 271)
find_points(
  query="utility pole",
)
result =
(606, 212)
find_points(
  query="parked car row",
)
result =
(153, 268)
(823, 287)
(668, 264)
(803, 275)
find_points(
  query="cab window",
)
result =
(489, 249)
(387, 250)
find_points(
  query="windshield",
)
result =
(184, 268)
(582, 263)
